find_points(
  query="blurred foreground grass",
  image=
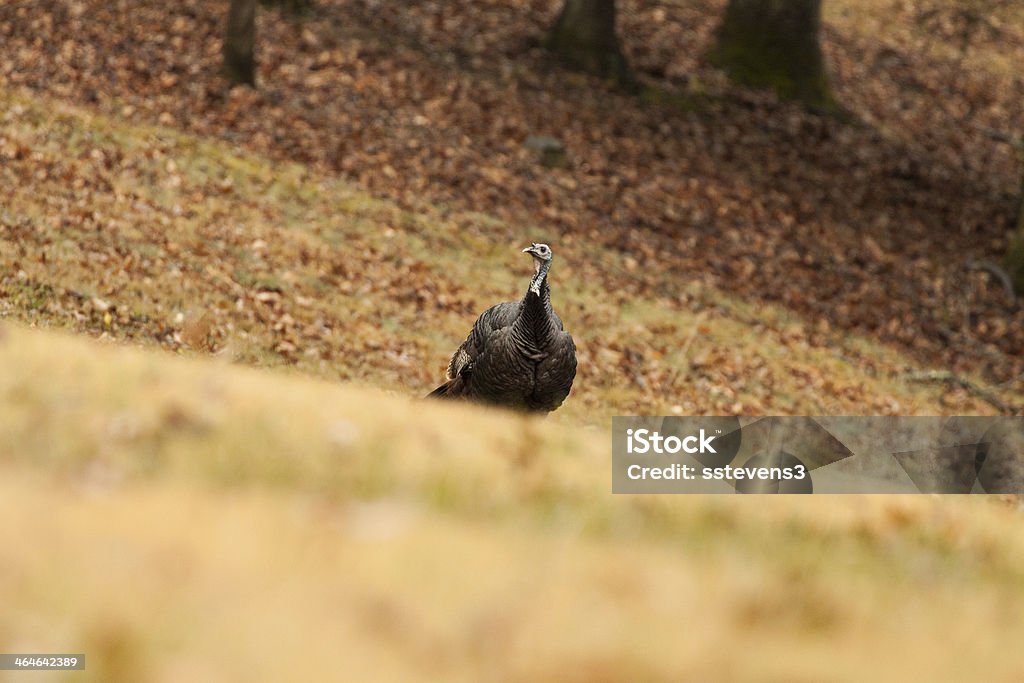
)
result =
(179, 519)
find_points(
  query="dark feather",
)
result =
(517, 355)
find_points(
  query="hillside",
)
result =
(219, 311)
(142, 233)
(180, 519)
(153, 504)
(871, 226)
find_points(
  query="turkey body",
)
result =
(518, 354)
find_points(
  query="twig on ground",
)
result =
(1015, 141)
(684, 351)
(947, 377)
(998, 273)
(636, 361)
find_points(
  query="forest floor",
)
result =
(869, 228)
(353, 215)
(340, 228)
(138, 232)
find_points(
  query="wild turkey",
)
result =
(517, 355)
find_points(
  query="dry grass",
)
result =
(141, 233)
(179, 519)
(194, 519)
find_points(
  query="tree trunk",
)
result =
(775, 44)
(1013, 262)
(584, 36)
(240, 43)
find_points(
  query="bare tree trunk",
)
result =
(240, 43)
(775, 44)
(1014, 259)
(584, 36)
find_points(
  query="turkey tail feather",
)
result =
(441, 391)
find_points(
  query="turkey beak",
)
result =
(530, 249)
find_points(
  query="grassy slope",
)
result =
(175, 518)
(145, 234)
(150, 505)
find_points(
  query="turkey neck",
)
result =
(533, 327)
